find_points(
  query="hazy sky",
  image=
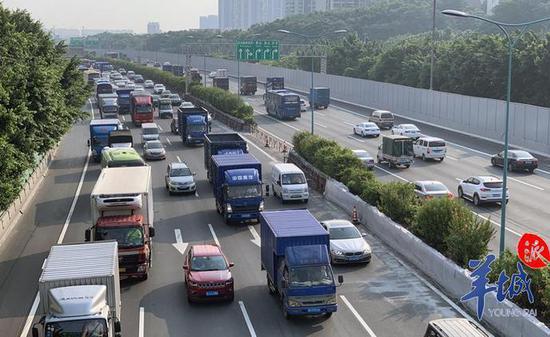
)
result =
(117, 14)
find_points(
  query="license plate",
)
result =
(212, 293)
(355, 257)
(527, 162)
(246, 215)
(314, 310)
(496, 195)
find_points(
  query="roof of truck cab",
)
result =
(122, 154)
(235, 159)
(127, 180)
(458, 327)
(109, 121)
(292, 223)
(119, 220)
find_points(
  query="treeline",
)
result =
(41, 95)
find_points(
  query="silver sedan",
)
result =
(154, 149)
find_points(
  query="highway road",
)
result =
(526, 211)
(385, 298)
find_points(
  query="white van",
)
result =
(289, 182)
(430, 148)
(150, 131)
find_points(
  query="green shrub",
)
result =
(224, 101)
(433, 220)
(399, 202)
(468, 236)
(540, 284)
(357, 179)
(371, 192)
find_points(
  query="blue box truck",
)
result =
(237, 184)
(282, 104)
(124, 105)
(99, 134)
(222, 143)
(192, 124)
(319, 97)
(294, 253)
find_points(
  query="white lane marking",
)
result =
(275, 119)
(160, 127)
(451, 158)
(179, 245)
(178, 158)
(247, 319)
(319, 113)
(350, 124)
(123, 118)
(168, 141)
(359, 318)
(357, 139)
(214, 235)
(390, 173)
(260, 149)
(196, 193)
(34, 306)
(526, 184)
(321, 125)
(256, 238)
(30, 318)
(141, 322)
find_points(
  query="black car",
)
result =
(517, 160)
(138, 78)
(176, 99)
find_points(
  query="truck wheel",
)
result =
(226, 219)
(144, 277)
(270, 287)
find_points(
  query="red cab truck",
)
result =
(141, 108)
(122, 210)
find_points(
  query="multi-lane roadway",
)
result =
(466, 156)
(385, 298)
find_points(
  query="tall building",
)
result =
(346, 4)
(241, 14)
(491, 4)
(296, 7)
(208, 22)
(153, 28)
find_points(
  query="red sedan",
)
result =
(206, 274)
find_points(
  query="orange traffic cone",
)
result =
(354, 217)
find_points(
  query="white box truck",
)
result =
(122, 210)
(80, 291)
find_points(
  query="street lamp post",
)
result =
(512, 41)
(312, 37)
(187, 65)
(432, 58)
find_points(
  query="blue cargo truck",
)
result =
(222, 143)
(124, 105)
(99, 134)
(237, 184)
(273, 83)
(282, 104)
(294, 253)
(192, 124)
(319, 97)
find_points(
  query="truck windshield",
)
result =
(165, 106)
(310, 276)
(293, 179)
(125, 236)
(109, 101)
(79, 328)
(208, 263)
(244, 191)
(196, 128)
(150, 131)
(143, 109)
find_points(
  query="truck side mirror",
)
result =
(118, 329)
(231, 264)
(151, 232)
(87, 235)
(88, 143)
(340, 279)
(185, 267)
(34, 331)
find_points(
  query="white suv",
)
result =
(430, 148)
(482, 189)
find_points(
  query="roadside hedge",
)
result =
(446, 225)
(225, 101)
(174, 83)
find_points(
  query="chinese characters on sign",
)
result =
(507, 287)
(533, 251)
(258, 50)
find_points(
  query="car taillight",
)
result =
(485, 189)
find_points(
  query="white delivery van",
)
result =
(150, 131)
(289, 182)
(430, 148)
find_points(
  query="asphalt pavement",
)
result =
(385, 298)
(526, 211)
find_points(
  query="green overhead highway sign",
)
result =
(258, 50)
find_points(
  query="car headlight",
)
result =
(188, 136)
(366, 251)
(337, 252)
(141, 268)
(306, 190)
(228, 208)
(261, 208)
(192, 283)
(293, 303)
(331, 299)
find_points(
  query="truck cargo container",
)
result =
(141, 106)
(122, 209)
(121, 138)
(237, 184)
(192, 124)
(166, 66)
(79, 291)
(221, 72)
(249, 85)
(124, 100)
(177, 70)
(294, 253)
(396, 150)
(108, 105)
(319, 97)
(222, 143)
(221, 82)
(99, 134)
(283, 104)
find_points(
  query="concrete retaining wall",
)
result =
(8, 217)
(454, 280)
